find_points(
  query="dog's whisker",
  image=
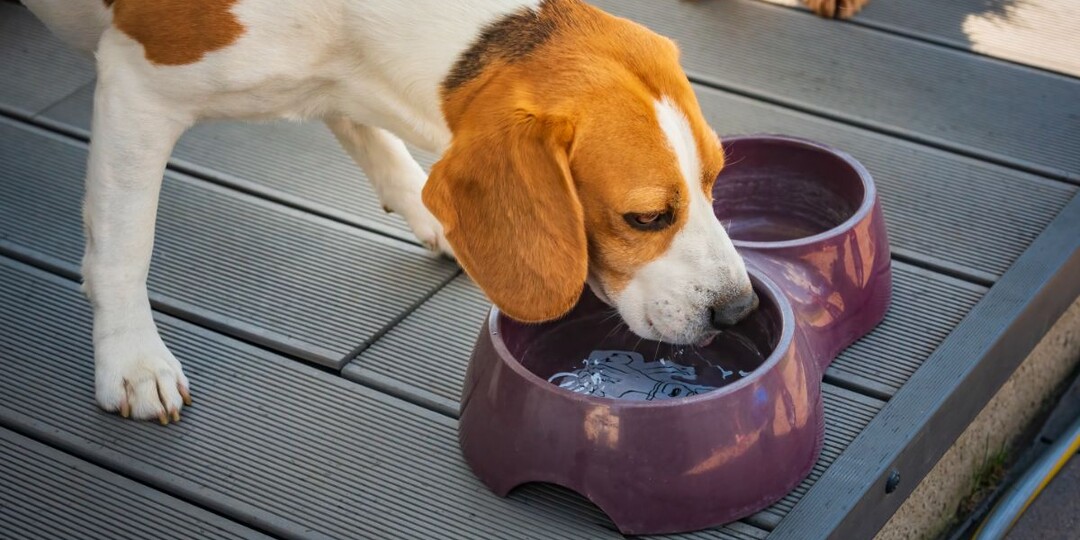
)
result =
(613, 331)
(614, 313)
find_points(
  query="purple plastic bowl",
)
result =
(807, 221)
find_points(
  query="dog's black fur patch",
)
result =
(509, 39)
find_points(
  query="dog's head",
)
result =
(586, 159)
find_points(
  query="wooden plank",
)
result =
(49, 494)
(952, 213)
(925, 308)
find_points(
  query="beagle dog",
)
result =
(573, 152)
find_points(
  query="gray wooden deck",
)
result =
(297, 304)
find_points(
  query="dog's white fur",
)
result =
(669, 298)
(372, 71)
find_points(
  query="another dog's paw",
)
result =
(137, 376)
(836, 9)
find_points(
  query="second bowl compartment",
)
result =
(780, 189)
(808, 216)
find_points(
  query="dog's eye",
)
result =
(649, 221)
(646, 219)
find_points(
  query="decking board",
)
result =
(443, 329)
(302, 284)
(953, 213)
(36, 69)
(956, 214)
(49, 494)
(941, 399)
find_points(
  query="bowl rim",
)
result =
(761, 283)
(869, 198)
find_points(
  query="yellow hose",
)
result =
(1020, 496)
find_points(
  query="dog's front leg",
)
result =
(395, 175)
(133, 134)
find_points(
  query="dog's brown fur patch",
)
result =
(177, 32)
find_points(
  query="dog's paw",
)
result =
(836, 9)
(426, 227)
(137, 376)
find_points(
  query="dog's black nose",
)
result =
(729, 313)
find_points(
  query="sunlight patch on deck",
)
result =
(1043, 33)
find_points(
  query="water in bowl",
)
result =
(626, 375)
(597, 355)
(776, 227)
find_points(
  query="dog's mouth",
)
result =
(704, 339)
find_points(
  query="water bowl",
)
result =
(669, 439)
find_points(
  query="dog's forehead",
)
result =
(640, 155)
(680, 138)
(623, 147)
(652, 134)
(682, 120)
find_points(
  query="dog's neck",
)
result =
(434, 47)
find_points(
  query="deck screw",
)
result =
(893, 481)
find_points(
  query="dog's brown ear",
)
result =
(504, 194)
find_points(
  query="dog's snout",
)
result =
(729, 313)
